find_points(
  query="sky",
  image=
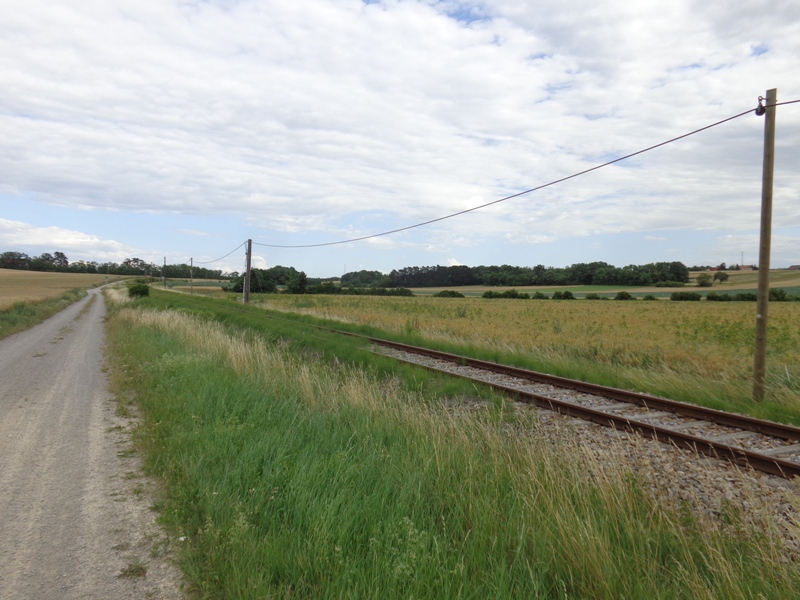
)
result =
(179, 129)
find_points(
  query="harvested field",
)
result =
(32, 286)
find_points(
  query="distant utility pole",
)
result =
(760, 357)
(164, 273)
(246, 287)
(191, 276)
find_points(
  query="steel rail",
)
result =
(740, 456)
(770, 428)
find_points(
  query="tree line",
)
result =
(595, 273)
(58, 262)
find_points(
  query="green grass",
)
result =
(576, 362)
(304, 335)
(23, 315)
(290, 476)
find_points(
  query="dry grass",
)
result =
(572, 507)
(651, 342)
(33, 286)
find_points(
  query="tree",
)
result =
(721, 276)
(134, 266)
(14, 260)
(60, 260)
(297, 283)
(704, 280)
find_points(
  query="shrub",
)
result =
(592, 296)
(670, 284)
(715, 297)
(649, 297)
(448, 294)
(507, 294)
(685, 296)
(746, 297)
(539, 296)
(623, 295)
(778, 295)
(138, 290)
(566, 295)
(704, 280)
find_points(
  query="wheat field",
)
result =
(33, 286)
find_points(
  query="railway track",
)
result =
(746, 441)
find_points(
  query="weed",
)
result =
(134, 569)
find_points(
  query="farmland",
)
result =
(697, 352)
(29, 297)
(34, 286)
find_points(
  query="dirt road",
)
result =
(74, 508)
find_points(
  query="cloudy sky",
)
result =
(181, 128)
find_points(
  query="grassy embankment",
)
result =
(292, 476)
(30, 297)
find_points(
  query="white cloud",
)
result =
(76, 245)
(300, 118)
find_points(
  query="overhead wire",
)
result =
(208, 262)
(518, 194)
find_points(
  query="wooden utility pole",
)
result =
(191, 276)
(760, 359)
(164, 273)
(246, 287)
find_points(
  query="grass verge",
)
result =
(23, 315)
(289, 476)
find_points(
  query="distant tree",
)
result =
(43, 262)
(60, 260)
(134, 266)
(297, 283)
(14, 260)
(704, 280)
(721, 276)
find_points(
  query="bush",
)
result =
(704, 280)
(649, 298)
(592, 296)
(448, 294)
(539, 296)
(507, 294)
(778, 295)
(670, 284)
(746, 297)
(138, 290)
(623, 295)
(566, 295)
(715, 297)
(685, 296)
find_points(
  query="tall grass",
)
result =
(290, 477)
(696, 352)
(22, 315)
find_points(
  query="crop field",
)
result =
(693, 351)
(34, 286)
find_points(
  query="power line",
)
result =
(221, 257)
(518, 194)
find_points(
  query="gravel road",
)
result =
(74, 508)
